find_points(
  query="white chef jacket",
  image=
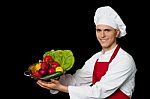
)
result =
(120, 74)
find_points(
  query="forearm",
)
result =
(58, 86)
(63, 88)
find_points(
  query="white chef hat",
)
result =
(107, 16)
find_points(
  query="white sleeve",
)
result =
(119, 71)
(79, 78)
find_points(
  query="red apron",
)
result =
(100, 69)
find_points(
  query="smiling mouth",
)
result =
(103, 40)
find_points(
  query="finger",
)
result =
(43, 85)
(41, 81)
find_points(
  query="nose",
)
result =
(102, 33)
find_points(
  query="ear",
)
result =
(117, 33)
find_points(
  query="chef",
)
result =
(109, 73)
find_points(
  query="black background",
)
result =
(31, 28)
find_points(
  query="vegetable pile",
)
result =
(54, 64)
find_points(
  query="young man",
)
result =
(108, 74)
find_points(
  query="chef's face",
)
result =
(106, 36)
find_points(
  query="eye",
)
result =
(98, 30)
(107, 30)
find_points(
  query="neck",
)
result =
(105, 49)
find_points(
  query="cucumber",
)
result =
(52, 76)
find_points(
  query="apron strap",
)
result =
(115, 53)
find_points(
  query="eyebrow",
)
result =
(104, 29)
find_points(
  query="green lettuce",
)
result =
(65, 58)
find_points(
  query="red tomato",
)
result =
(44, 65)
(55, 64)
(48, 59)
(51, 70)
(36, 74)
